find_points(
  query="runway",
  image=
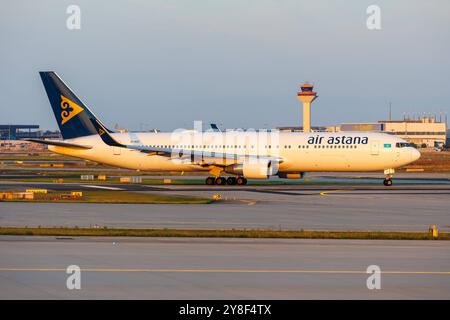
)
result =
(319, 207)
(126, 268)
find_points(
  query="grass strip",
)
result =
(119, 197)
(301, 234)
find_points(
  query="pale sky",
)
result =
(164, 64)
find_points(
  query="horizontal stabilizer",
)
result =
(59, 143)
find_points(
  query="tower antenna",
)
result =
(390, 111)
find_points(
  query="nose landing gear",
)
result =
(388, 173)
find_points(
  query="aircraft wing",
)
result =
(178, 154)
(59, 143)
(197, 154)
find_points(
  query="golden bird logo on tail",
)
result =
(69, 109)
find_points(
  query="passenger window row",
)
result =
(399, 145)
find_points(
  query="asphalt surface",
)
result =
(324, 207)
(175, 268)
(124, 268)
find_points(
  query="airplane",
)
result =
(239, 154)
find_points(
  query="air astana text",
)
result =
(338, 140)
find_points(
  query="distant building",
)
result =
(300, 129)
(21, 145)
(16, 131)
(425, 131)
(22, 131)
(361, 127)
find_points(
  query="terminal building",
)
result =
(426, 131)
(25, 131)
(300, 129)
(423, 132)
(11, 136)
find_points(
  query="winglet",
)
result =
(104, 134)
(215, 128)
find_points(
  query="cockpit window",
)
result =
(403, 144)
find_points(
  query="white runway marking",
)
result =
(101, 187)
(169, 270)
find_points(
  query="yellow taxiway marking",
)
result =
(324, 193)
(227, 271)
(249, 202)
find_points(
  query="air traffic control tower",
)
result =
(306, 96)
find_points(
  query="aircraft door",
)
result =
(116, 151)
(375, 147)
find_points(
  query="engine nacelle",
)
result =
(257, 169)
(291, 175)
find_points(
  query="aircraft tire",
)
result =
(210, 181)
(220, 181)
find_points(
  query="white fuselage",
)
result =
(301, 152)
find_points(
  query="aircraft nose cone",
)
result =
(415, 154)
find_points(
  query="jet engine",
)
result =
(257, 169)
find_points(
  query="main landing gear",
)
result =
(388, 173)
(220, 181)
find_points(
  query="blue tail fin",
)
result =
(72, 116)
